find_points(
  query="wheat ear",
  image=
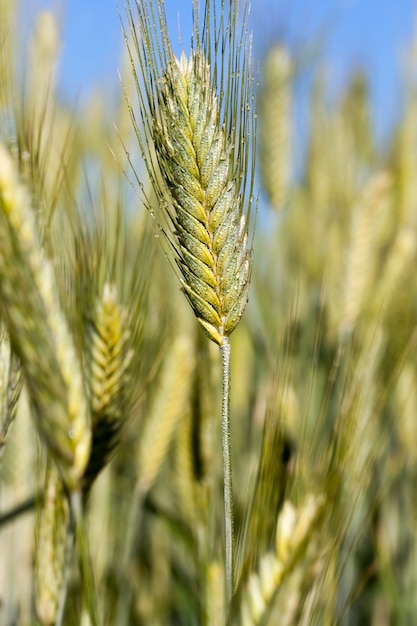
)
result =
(108, 376)
(38, 331)
(199, 150)
(211, 230)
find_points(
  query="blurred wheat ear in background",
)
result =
(38, 331)
(108, 379)
(275, 128)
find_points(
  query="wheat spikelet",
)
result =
(170, 407)
(51, 532)
(10, 386)
(201, 171)
(108, 363)
(38, 331)
(276, 124)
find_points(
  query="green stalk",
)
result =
(133, 529)
(83, 554)
(227, 473)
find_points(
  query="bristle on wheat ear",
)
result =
(205, 205)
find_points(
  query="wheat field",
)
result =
(180, 305)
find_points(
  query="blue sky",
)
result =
(374, 34)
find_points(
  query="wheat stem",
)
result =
(134, 526)
(227, 472)
(83, 555)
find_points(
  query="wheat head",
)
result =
(38, 331)
(107, 378)
(198, 150)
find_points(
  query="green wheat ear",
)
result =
(38, 331)
(198, 148)
(211, 232)
(108, 379)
